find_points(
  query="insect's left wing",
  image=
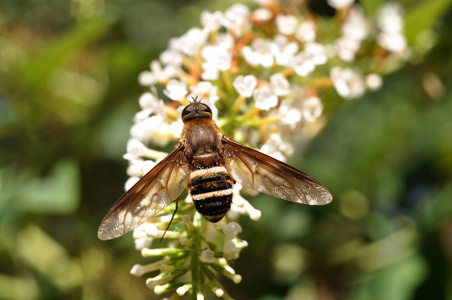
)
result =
(265, 174)
(153, 192)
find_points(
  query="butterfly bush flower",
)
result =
(261, 72)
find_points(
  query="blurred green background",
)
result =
(68, 93)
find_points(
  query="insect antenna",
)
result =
(196, 99)
(171, 221)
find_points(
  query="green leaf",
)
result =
(423, 16)
(37, 70)
(371, 6)
(40, 251)
(396, 282)
(57, 193)
(12, 287)
(438, 209)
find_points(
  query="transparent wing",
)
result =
(153, 192)
(265, 174)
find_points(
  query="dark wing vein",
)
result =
(153, 192)
(265, 174)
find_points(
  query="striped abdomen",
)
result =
(211, 191)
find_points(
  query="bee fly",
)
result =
(207, 163)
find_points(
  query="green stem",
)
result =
(195, 271)
(196, 275)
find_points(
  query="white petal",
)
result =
(245, 85)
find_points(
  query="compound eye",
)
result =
(188, 109)
(196, 110)
(203, 107)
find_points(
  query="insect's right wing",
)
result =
(265, 174)
(153, 192)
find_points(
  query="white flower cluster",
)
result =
(273, 73)
(354, 30)
(264, 69)
(390, 22)
(188, 251)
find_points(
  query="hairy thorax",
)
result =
(202, 145)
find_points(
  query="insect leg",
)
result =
(171, 221)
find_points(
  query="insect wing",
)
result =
(153, 192)
(265, 174)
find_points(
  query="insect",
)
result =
(208, 164)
